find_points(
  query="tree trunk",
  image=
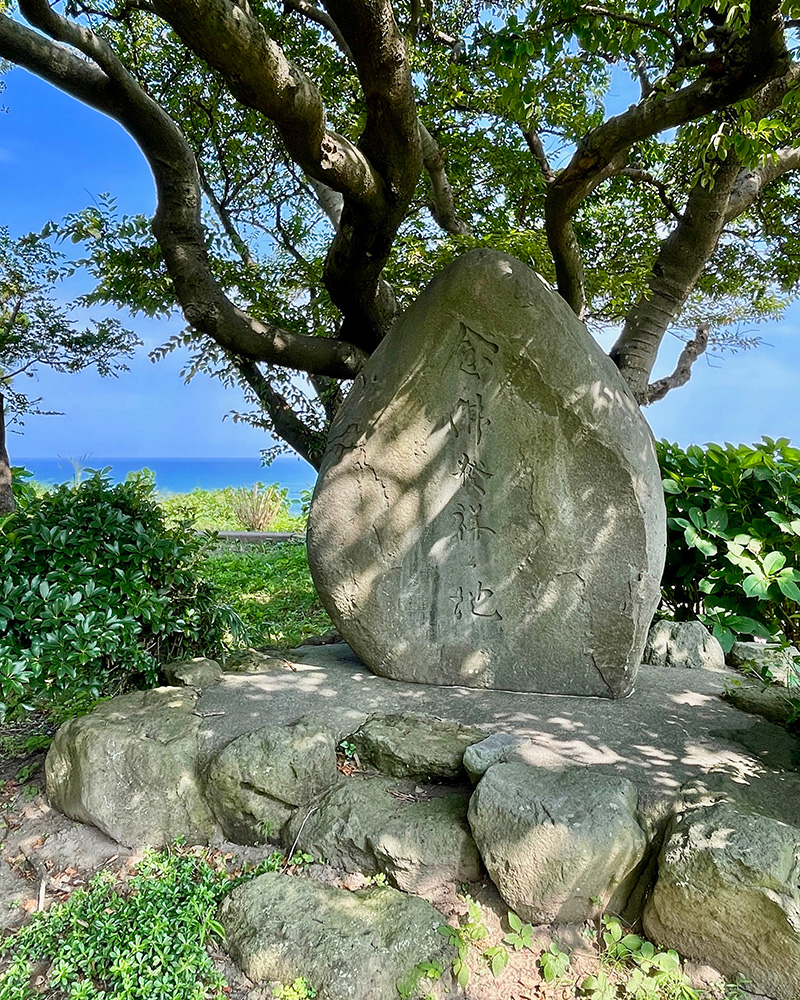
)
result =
(6, 489)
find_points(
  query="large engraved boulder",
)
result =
(489, 511)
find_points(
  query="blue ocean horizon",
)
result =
(182, 475)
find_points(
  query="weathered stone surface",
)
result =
(489, 511)
(348, 945)
(728, 894)
(761, 656)
(561, 847)
(199, 672)
(130, 768)
(415, 745)
(687, 645)
(479, 757)
(419, 838)
(770, 701)
(254, 661)
(257, 781)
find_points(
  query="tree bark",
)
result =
(680, 262)
(6, 488)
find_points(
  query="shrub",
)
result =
(209, 510)
(95, 589)
(733, 543)
(257, 508)
(232, 510)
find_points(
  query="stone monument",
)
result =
(489, 510)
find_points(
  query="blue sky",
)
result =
(56, 155)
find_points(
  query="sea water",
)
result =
(182, 475)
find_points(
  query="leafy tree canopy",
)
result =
(36, 331)
(317, 163)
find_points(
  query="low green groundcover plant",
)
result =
(140, 940)
(269, 588)
(733, 542)
(96, 590)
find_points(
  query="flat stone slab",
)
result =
(674, 726)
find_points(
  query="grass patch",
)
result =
(141, 939)
(269, 587)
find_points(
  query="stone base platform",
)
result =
(671, 807)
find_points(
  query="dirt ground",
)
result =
(44, 857)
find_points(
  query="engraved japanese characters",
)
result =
(489, 511)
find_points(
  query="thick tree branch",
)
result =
(640, 63)
(536, 146)
(680, 262)
(234, 42)
(106, 85)
(443, 207)
(6, 486)
(683, 369)
(751, 182)
(306, 441)
(747, 62)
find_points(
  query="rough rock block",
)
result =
(687, 645)
(420, 839)
(130, 768)
(728, 894)
(561, 847)
(348, 945)
(489, 511)
(199, 672)
(761, 656)
(258, 780)
(414, 745)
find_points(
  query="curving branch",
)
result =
(101, 81)
(312, 13)
(536, 147)
(742, 68)
(443, 207)
(683, 369)
(306, 441)
(644, 177)
(750, 182)
(680, 262)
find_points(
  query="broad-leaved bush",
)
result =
(733, 541)
(95, 590)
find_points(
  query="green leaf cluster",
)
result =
(142, 941)
(95, 590)
(733, 545)
(649, 974)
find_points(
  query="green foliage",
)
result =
(414, 984)
(521, 935)
(258, 508)
(300, 989)
(208, 510)
(269, 587)
(145, 941)
(497, 959)
(37, 331)
(649, 974)
(598, 987)
(222, 510)
(733, 547)
(470, 930)
(95, 590)
(554, 963)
